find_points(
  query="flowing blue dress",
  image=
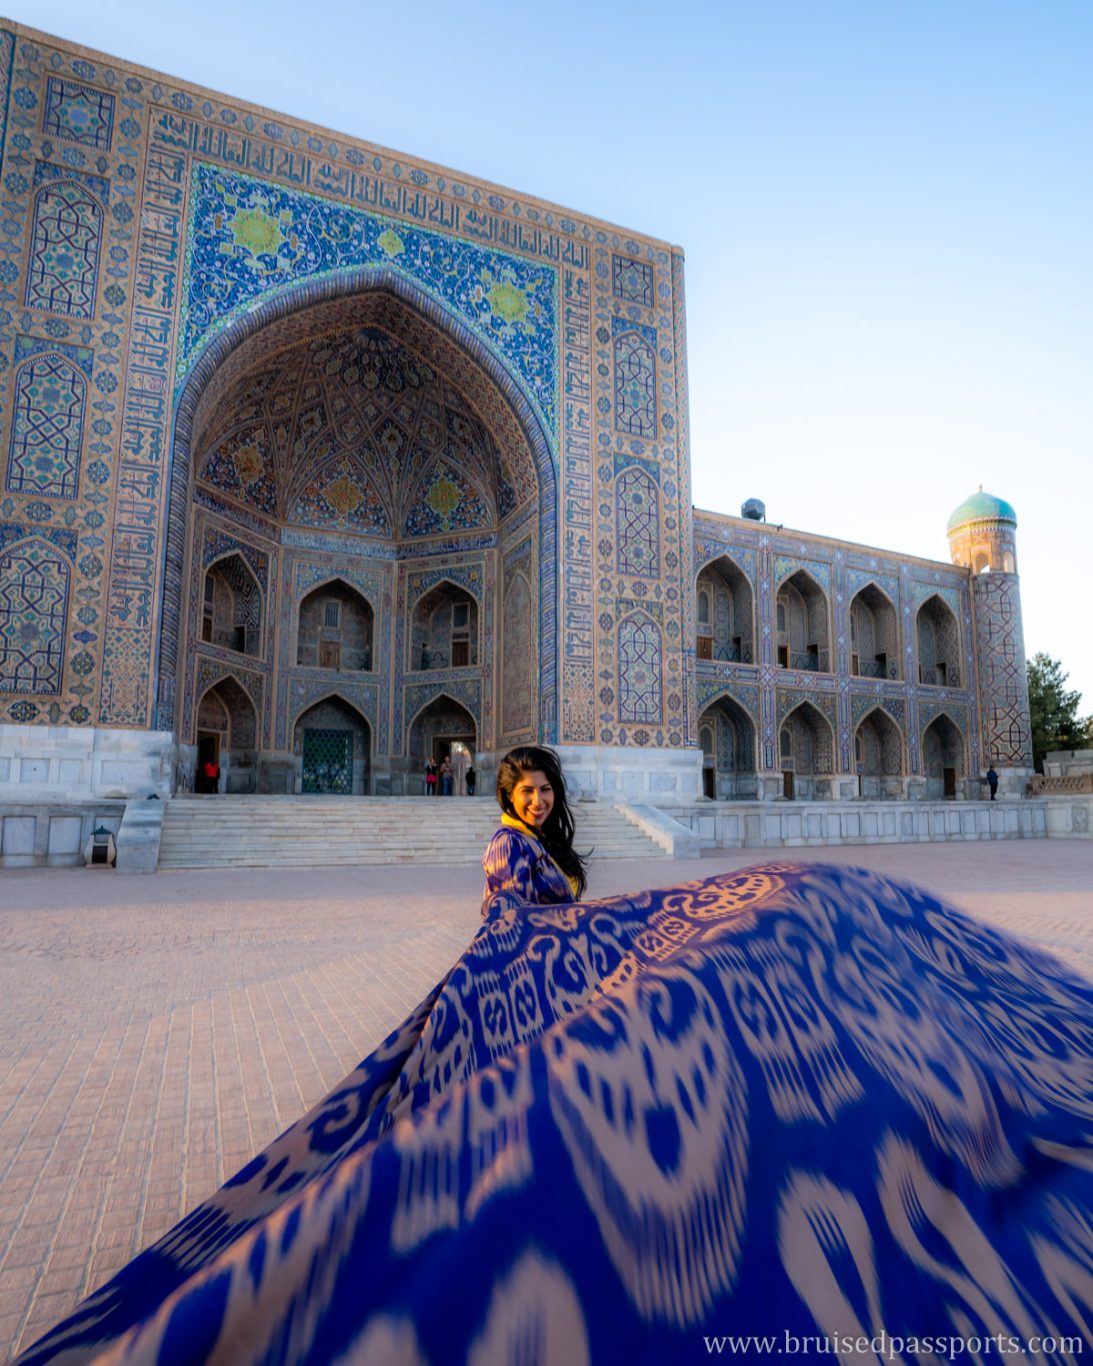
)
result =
(515, 861)
(805, 1108)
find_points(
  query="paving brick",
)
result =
(156, 1032)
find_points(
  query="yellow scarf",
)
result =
(514, 823)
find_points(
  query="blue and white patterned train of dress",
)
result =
(792, 1102)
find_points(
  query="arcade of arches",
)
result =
(363, 538)
(810, 755)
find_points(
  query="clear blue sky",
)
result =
(886, 205)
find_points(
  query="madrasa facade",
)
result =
(320, 461)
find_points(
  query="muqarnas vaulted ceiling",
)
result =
(370, 421)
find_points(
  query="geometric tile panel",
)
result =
(47, 420)
(34, 583)
(66, 237)
(78, 113)
(632, 281)
(637, 512)
(641, 662)
(635, 379)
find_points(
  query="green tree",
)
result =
(1054, 710)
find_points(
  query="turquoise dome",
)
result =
(982, 507)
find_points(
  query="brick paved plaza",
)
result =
(156, 1032)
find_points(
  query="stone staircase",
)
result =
(320, 832)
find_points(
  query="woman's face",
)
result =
(533, 798)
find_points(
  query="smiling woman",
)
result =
(532, 852)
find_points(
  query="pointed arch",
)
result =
(232, 604)
(254, 332)
(811, 748)
(331, 694)
(442, 717)
(874, 633)
(517, 661)
(802, 623)
(335, 626)
(444, 627)
(734, 746)
(937, 635)
(334, 753)
(240, 710)
(944, 754)
(728, 633)
(879, 745)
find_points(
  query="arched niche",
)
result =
(878, 755)
(442, 728)
(802, 624)
(334, 628)
(444, 629)
(518, 673)
(725, 612)
(275, 422)
(728, 738)
(938, 636)
(231, 606)
(806, 749)
(943, 757)
(226, 730)
(874, 634)
(332, 748)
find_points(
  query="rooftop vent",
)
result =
(754, 510)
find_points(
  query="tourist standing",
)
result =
(446, 777)
(992, 781)
(430, 778)
(210, 776)
(470, 778)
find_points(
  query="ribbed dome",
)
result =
(982, 507)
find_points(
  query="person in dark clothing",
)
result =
(470, 778)
(430, 778)
(992, 781)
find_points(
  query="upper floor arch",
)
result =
(724, 612)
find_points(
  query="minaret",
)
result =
(982, 538)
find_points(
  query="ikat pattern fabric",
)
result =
(516, 863)
(789, 1099)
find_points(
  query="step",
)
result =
(246, 831)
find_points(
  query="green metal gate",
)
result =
(328, 761)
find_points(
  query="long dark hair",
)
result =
(557, 830)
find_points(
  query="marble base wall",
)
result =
(53, 834)
(652, 776)
(74, 763)
(775, 825)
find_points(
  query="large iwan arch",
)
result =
(354, 429)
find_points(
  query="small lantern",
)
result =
(100, 849)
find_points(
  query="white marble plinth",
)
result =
(781, 824)
(74, 763)
(656, 777)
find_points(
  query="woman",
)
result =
(532, 852)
